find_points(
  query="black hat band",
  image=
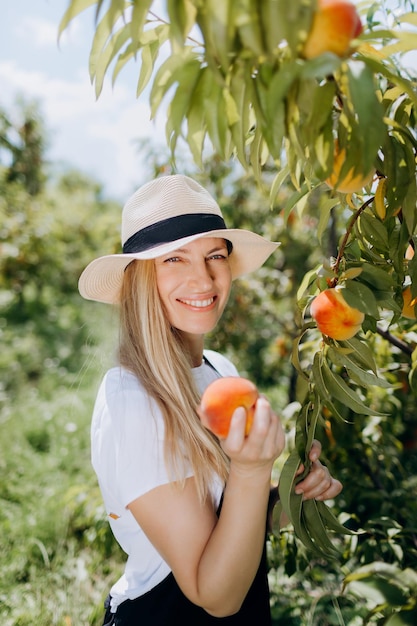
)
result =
(171, 229)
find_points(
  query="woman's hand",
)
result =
(264, 443)
(319, 483)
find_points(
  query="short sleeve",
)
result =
(221, 363)
(127, 440)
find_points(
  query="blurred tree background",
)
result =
(58, 557)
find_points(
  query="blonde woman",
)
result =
(189, 510)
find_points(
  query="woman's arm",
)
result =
(214, 560)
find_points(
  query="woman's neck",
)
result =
(195, 347)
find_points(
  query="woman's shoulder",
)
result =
(118, 379)
(221, 363)
(121, 393)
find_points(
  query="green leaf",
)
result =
(397, 171)
(196, 124)
(187, 77)
(321, 386)
(359, 296)
(394, 78)
(325, 208)
(407, 617)
(149, 55)
(360, 352)
(342, 392)
(362, 377)
(240, 126)
(331, 521)
(166, 76)
(379, 277)
(182, 16)
(286, 485)
(380, 592)
(75, 7)
(374, 231)
(138, 20)
(102, 61)
(368, 112)
(317, 530)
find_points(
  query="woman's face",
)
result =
(194, 284)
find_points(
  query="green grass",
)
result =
(58, 557)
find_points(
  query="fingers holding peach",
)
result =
(262, 445)
(232, 408)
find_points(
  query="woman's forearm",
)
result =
(232, 554)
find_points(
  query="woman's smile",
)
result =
(199, 304)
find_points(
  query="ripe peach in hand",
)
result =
(350, 182)
(220, 400)
(334, 317)
(335, 24)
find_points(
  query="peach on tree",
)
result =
(334, 316)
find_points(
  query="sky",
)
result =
(97, 137)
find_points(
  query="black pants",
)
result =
(166, 605)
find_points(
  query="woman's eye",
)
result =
(218, 256)
(172, 259)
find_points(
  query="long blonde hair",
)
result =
(155, 353)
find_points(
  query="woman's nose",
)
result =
(200, 275)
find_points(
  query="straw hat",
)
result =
(164, 215)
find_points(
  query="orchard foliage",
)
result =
(50, 368)
(44, 245)
(234, 79)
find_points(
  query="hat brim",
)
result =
(102, 278)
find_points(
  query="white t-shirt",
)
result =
(127, 449)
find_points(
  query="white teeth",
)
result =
(199, 303)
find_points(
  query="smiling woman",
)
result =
(189, 509)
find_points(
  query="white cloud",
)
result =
(43, 33)
(97, 137)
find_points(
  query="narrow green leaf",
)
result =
(295, 359)
(154, 39)
(361, 297)
(286, 484)
(360, 352)
(325, 207)
(374, 231)
(107, 55)
(75, 7)
(166, 74)
(182, 16)
(138, 20)
(362, 377)
(321, 388)
(277, 183)
(239, 124)
(179, 106)
(368, 112)
(317, 530)
(331, 521)
(342, 392)
(378, 277)
(394, 78)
